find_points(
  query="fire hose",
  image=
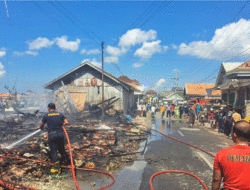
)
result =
(177, 171)
(7, 185)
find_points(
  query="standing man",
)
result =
(192, 117)
(144, 110)
(232, 164)
(172, 109)
(181, 110)
(168, 108)
(55, 121)
(139, 107)
(198, 110)
(236, 117)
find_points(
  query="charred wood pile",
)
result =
(105, 146)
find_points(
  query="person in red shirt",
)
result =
(233, 164)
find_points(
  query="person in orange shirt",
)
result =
(162, 110)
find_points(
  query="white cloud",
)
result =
(136, 36)
(93, 51)
(83, 51)
(148, 49)
(94, 62)
(63, 43)
(111, 59)
(2, 71)
(227, 43)
(165, 48)
(40, 43)
(137, 65)
(2, 52)
(34, 53)
(160, 82)
(114, 51)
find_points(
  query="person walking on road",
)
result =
(181, 110)
(177, 112)
(144, 110)
(202, 118)
(153, 109)
(162, 110)
(55, 121)
(198, 110)
(168, 109)
(139, 108)
(232, 164)
(172, 110)
(192, 117)
(221, 121)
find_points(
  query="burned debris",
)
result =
(107, 146)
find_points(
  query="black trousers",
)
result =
(57, 144)
(168, 113)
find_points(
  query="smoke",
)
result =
(37, 101)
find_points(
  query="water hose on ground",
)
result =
(177, 171)
(6, 183)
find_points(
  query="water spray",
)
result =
(23, 139)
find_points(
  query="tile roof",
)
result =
(200, 89)
(245, 65)
(128, 80)
(151, 92)
(216, 92)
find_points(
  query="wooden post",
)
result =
(102, 84)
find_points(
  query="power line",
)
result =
(216, 41)
(73, 22)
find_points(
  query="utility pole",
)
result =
(102, 84)
(176, 80)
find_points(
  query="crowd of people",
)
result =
(168, 111)
(223, 118)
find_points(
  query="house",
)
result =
(178, 89)
(174, 98)
(198, 91)
(138, 90)
(151, 93)
(83, 86)
(234, 82)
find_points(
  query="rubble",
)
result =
(103, 146)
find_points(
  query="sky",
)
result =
(150, 41)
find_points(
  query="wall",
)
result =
(89, 80)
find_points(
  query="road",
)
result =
(166, 154)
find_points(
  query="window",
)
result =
(98, 90)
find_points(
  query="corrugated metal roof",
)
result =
(229, 66)
(46, 86)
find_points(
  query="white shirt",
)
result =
(153, 109)
(139, 107)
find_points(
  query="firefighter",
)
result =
(55, 121)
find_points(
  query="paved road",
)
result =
(166, 154)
